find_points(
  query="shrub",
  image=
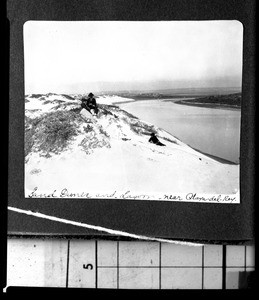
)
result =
(92, 142)
(56, 130)
(50, 132)
(103, 110)
(28, 141)
(170, 140)
(68, 97)
(88, 128)
(36, 95)
(47, 102)
(102, 131)
(76, 109)
(30, 129)
(141, 128)
(129, 115)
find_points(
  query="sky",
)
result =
(84, 56)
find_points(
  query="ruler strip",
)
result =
(202, 269)
(160, 261)
(68, 254)
(116, 264)
(224, 267)
(96, 264)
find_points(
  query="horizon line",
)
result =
(142, 90)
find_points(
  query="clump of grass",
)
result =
(36, 95)
(29, 141)
(51, 132)
(35, 171)
(107, 106)
(169, 140)
(56, 130)
(102, 131)
(30, 130)
(129, 115)
(141, 128)
(63, 105)
(76, 109)
(56, 101)
(47, 102)
(92, 142)
(88, 128)
(68, 97)
(103, 111)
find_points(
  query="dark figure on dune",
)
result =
(89, 103)
(153, 139)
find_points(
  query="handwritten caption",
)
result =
(184, 197)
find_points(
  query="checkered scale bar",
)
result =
(126, 265)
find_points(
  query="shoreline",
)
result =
(208, 105)
(152, 99)
(216, 158)
(182, 102)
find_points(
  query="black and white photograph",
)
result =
(133, 110)
(130, 145)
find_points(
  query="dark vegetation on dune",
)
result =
(50, 132)
(50, 94)
(68, 97)
(141, 128)
(53, 101)
(36, 95)
(53, 131)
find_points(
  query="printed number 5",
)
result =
(88, 266)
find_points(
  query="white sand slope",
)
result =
(114, 156)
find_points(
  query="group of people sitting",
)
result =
(90, 105)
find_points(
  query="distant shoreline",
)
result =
(151, 99)
(185, 101)
(208, 105)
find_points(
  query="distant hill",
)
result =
(179, 93)
(230, 100)
(173, 92)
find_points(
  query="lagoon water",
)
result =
(210, 130)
